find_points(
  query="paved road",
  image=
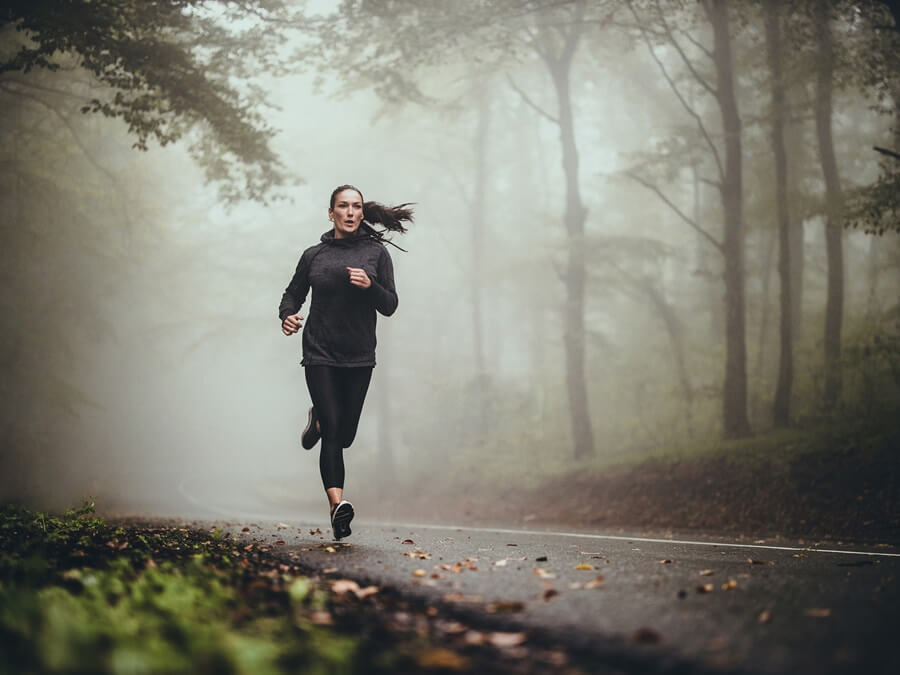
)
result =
(638, 604)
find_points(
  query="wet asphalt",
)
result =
(635, 605)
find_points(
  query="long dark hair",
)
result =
(389, 217)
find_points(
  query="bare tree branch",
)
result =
(679, 96)
(690, 66)
(74, 134)
(885, 151)
(681, 214)
(699, 45)
(531, 103)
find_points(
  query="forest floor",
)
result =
(79, 594)
(838, 482)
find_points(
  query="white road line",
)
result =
(579, 535)
(610, 537)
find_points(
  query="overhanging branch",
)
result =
(681, 214)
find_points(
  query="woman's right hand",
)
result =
(292, 324)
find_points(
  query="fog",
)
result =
(143, 362)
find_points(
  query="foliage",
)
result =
(78, 594)
(166, 66)
(876, 207)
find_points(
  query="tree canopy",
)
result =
(163, 68)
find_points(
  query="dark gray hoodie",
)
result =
(339, 329)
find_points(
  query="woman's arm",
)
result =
(294, 296)
(384, 295)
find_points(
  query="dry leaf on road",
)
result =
(502, 640)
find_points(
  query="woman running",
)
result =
(351, 276)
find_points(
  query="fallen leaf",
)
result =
(505, 606)
(549, 594)
(281, 526)
(459, 597)
(705, 588)
(366, 592)
(419, 573)
(321, 618)
(441, 658)
(280, 542)
(452, 627)
(646, 636)
(665, 562)
(503, 640)
(331, 549)
(706, 573)
(329, 570)
(765, 616)
(584, 566)
(342, 586)
(246, 529)
(408, 542)
(596, 582)
(474, 637)
(541, 558)
(315, 531)
(543, 574)
(754, 561)
(420, 555)
(729, 585)
(818, 612)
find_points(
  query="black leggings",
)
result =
(337, 395)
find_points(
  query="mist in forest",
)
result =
(576, 291)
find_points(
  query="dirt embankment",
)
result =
(839, 496)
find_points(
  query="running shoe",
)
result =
(341, 515)
(310, 435)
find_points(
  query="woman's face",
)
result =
(346, 213)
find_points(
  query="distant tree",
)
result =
(775, 53)
(161, 67)
(388, 46)
(657, 25)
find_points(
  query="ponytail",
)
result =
(390, 217)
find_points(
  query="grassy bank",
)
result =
(836, 478)
(79, 595)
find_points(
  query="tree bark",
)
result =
(478, 226)
(834, 306)
(559, 66)
(734, 400)
(781, 407)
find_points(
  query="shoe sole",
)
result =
(340, 523)
(309, 431)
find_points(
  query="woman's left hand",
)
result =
(358, 277)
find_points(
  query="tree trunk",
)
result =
(478, 226)
(575, 217)
(834, 306)
(386, 470)
(781, 407)
(734, 404)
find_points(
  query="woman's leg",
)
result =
(325, 388)
(353, 388)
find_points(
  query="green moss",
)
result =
(77, 595)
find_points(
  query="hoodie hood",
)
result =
(365, 232)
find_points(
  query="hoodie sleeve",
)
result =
(295, 294)
(384, 295)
